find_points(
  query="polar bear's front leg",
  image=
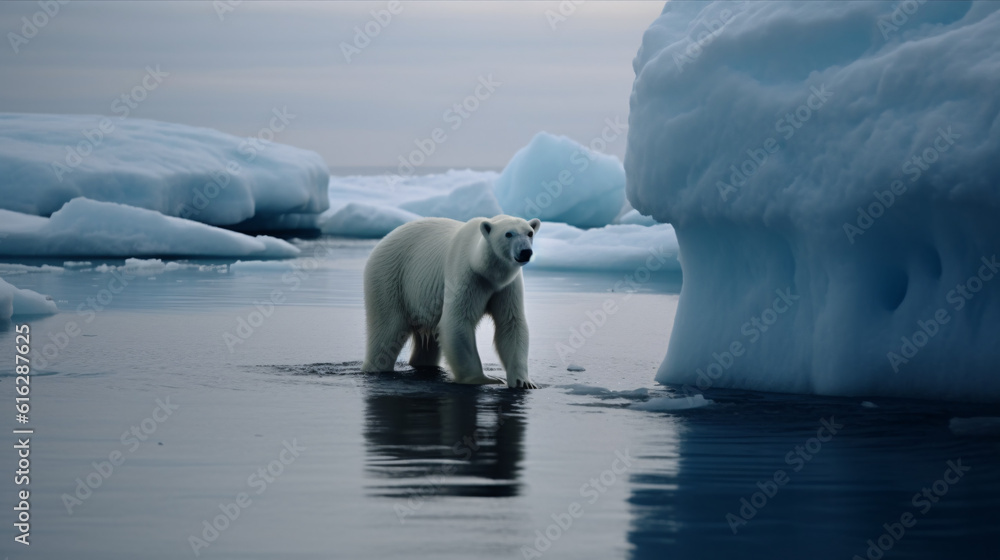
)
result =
(459, 344)
(511, 337)
(457, 334)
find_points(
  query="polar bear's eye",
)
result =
(509, 234)
(530, 233)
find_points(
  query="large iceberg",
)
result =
(831, 170)
(177, 170)
(556, 179)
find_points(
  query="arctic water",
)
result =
(211, 411)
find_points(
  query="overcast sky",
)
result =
(230, 71)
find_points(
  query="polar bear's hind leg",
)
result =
(426, 350)
(385, 339)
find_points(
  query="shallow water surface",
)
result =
(225, 409)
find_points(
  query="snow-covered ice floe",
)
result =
(372, 206)
(614, 247)
(837, 212)
(86, 227)
(177, 170)
(80, 185)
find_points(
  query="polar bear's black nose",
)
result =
(524, 256)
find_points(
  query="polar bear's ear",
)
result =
(535, 224)
(486, 227)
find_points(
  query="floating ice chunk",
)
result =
(7, 269)
(615, 247)
(87, 227)
(261, 266)
(555, 179)
(462, 204)
(144, 267)
(574, 367)
(604, 393)
(16, 301)
(390, 190)
(666, 404)
(358, 219)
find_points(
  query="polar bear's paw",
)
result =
(522, 383)
(484, 380)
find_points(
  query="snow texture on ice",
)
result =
(15, 301)
(556, 179)
(87, 227)
(177, 170)
(844, 153)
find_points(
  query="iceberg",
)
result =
(831, 173)
(84, 227)
(15, 301)
(373, 206)
(556, 179)
(177, 170)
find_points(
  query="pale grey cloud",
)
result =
(228, 74)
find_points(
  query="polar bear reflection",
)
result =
(441, 439)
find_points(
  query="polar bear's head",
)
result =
(510, 238)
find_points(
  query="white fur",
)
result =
(433, 280)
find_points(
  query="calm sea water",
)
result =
(189, 416)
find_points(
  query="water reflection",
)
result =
(838, 495)
(428, 437)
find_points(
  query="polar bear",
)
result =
(433, 280)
